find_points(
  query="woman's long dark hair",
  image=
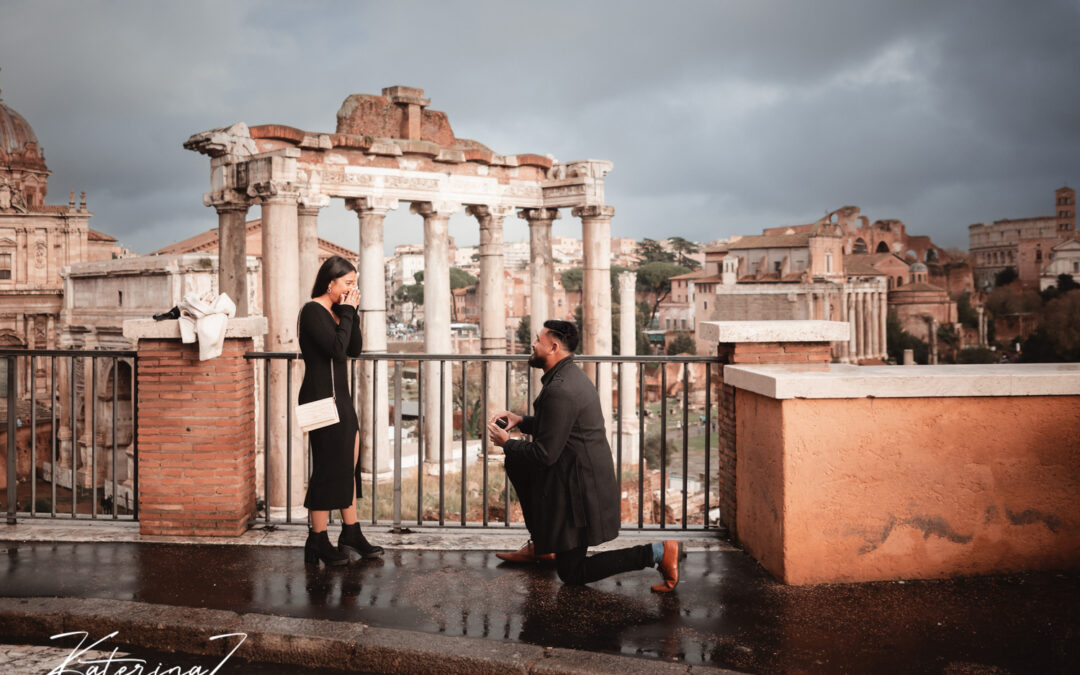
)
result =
(334, 268)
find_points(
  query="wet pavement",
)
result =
(725, 612)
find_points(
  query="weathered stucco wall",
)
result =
(863, 489)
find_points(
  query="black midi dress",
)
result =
(323, 342)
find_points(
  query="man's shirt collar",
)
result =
(546, 377)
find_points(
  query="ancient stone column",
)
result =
(437, 301)
(883, 327)
(933, 341)
(492, 297)
(541, 270)
(865, 351)
(371, 278)
(851, 317)
(232, 253)
(281, 306)
(982, 326)
(308, 235)
(596, 296)
(858, 340)
(541, 274)
(875, 322)
(628, 378)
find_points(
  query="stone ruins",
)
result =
(387, 150)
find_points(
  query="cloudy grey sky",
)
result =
(721, 117)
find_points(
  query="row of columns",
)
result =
(866, 312)
(290, 261)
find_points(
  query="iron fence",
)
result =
(64, 428)
(490, 491)
(72, 442)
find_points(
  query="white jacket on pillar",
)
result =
(205, 319)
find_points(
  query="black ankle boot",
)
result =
(352, 539)
(318, 547)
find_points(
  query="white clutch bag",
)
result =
(320, 413)
(317, 414)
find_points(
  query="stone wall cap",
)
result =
(245, 327)
(837, 380)
(774, 331)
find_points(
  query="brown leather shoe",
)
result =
(525, 554)
(669, 566)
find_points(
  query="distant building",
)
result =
(1064, 259)
(920, 305)
(37, 240)
(841, 268)
(1022, 243)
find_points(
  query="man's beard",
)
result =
(536, 361)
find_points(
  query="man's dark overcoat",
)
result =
(575, 496)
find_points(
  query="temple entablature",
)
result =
(390, 147)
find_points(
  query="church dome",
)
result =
(19, 147)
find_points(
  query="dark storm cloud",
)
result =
(721, 117)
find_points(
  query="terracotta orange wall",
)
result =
(759, 480)
(835, 490)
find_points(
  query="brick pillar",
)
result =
(724, 395)
(758, 342)
(196, 436)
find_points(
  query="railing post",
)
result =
(33, 437)
(12, 418)
(397, 529)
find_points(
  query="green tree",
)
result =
(572, 279)
(946, 334)
(413, 293)
(655, 278)
(642, 322)
(682, 344)
(1061, 326)
(1011, 300)
(650, 251)
(1066, 283)
(523, 336)
(682, 249)
(965, 312)
(459, 278)
(897, 340)
(1005, 277)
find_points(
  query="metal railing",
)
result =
(518, 388)
(96, 491)
(55, 393)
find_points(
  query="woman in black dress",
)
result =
(329, 330)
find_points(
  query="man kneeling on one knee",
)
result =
(565, 477)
